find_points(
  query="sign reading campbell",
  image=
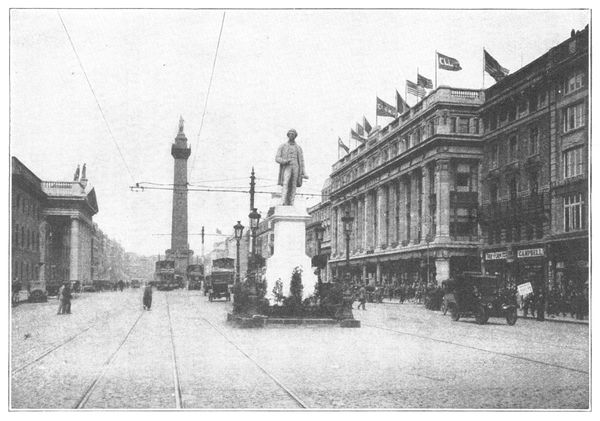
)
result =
(539, 252)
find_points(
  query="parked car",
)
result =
(480, 296)
(37, 292)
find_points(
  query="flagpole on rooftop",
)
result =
(483, 69)
(376, 113)
(436, 66)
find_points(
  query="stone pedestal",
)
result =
(289, 250)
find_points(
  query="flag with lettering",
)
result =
(366, 125)
(342, 146)
(360, 130)
(384, 109)
(401, 105)
(448, 63)
(424, 82)
(493, 67)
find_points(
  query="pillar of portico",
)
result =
(74, 251)
(443, 201)
(364, 273)
(442, 270)
(378, 273)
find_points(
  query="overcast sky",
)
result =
(316, 71)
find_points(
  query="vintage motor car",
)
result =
(219, 290)
(481, 296)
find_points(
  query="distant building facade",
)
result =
(320, 251)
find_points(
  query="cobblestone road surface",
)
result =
(403, 357)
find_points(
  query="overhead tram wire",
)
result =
(95, 97)
(141, 188)
(212, 73)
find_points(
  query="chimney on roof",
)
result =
(572, 33)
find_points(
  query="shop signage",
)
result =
(496, 255)
(530, 253)
(525, 289)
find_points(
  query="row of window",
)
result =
(532, 101)
(529, 146)
(459, 125)
(27, 207)
(25, 238)
(24, 271)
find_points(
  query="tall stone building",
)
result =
(180, 250)
(535, 172)
(412, 189)
(52, 227)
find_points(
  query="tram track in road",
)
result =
(178, 395)
(476, 348)
(89, 390)
(287, 390)
(57, 346)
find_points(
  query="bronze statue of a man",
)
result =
(291, 168)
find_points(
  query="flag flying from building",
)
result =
(493, 67)
(360, 130)
(401, 105)
(384, 109)
(356, 136)
(366, 125)
(342, 146)
(448, 63)
(424, 82)
(414, 89)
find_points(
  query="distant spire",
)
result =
(180, 124)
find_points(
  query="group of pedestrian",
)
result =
(555, 303)
(64, 299)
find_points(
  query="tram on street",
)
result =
(164, 276)
(195, 275)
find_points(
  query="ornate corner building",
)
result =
(412, 188)
(491, 180)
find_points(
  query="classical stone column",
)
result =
(392, 212)
(364, 273)
(414, 207)
(74, 252)
(402, 210)
(378, 273)
(425, 218)
(369, 228)
(381, 217)
(443, 201)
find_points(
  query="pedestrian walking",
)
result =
(147, 298)
(61, 302)
(67, 299)
(362, 297)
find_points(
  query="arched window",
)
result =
(22, 243)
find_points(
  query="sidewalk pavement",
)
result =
(562, 319)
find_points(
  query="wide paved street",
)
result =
(182, 354)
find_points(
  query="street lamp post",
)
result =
(254, 217)
(347, 220)
(238, 231)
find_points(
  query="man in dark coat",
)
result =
(147, 299)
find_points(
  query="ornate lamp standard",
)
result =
(347, 220)
(238, 231)
(254, 220)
